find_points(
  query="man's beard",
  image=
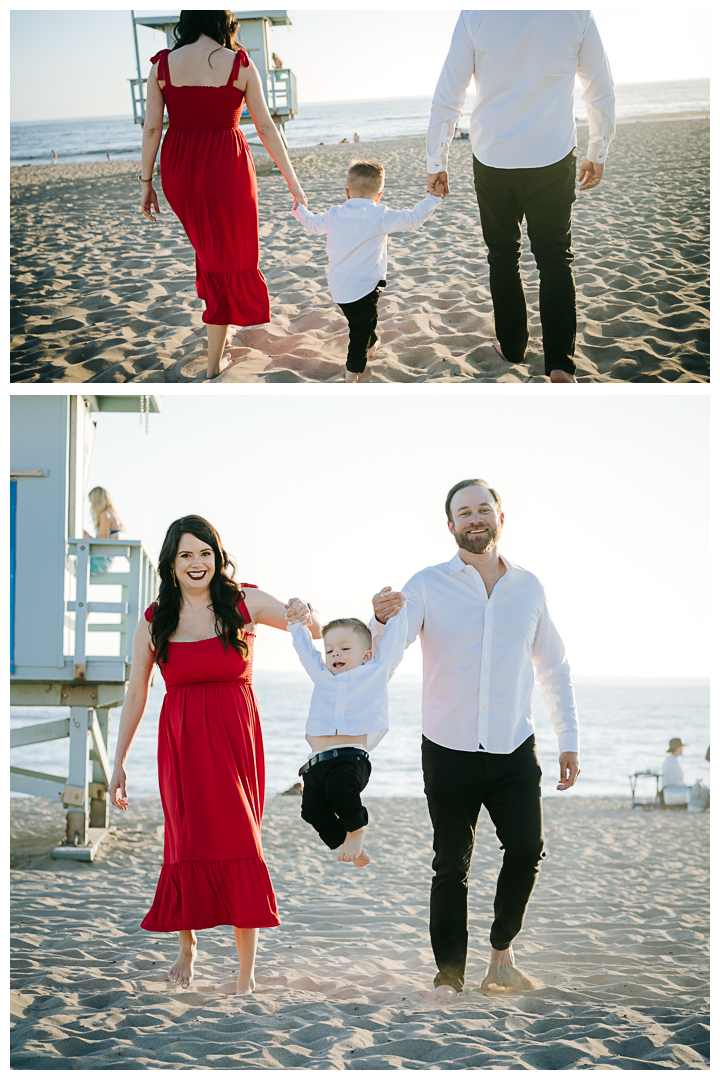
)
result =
(478, 545)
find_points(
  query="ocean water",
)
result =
(324, 122)
(625, 727)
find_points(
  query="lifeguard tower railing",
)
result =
(255, 33)
(88, 685)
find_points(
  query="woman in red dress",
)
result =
(208, 176)
(211, 767)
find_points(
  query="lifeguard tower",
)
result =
(255, 35)
(54, 624)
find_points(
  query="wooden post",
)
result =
(99, 808)
(75, 796)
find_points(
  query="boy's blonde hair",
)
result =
(366, 176)
(362, 631)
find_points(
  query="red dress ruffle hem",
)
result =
(211, 770)
(208, 177)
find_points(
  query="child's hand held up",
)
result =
(298, 611)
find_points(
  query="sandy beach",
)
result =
(616, 937)
(100, 295)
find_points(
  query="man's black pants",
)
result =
(544, 197)
(331, 800)
(457, 784)
(362, 317)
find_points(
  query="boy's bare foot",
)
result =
(440, 992)
(182, 970)
(558, 375)
(362, 859)
(352, 847)
(374, 349)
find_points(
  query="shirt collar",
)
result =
(456, 565)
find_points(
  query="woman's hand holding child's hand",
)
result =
(298, 611)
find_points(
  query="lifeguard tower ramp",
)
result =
(255, 35)
(55, 621)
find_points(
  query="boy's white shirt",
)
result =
(357, 235)
(355, 702)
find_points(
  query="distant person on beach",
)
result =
(208, 176)
(356, 137)
(672, 770)
(348, 716)
(486, 634)
(523, 139)
(357, 233)
(211, 768)
(277, 62)
(54, 157)
(107, 526)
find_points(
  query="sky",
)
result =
(332, 497)
(336, 54)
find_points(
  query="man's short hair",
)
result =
(362, 631)
(470, 483)
(366, 176)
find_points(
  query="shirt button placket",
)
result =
(484, 688)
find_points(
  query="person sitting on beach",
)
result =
(356, 137)
(348, 716)
(672, 770)
(357, 234)
(108, 526)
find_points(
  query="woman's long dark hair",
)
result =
(221, 26)
(224, 593)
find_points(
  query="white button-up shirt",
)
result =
(357, 235)
(481, 655)
(355, 702)
(524, 64)
(672, 772)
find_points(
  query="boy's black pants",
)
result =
(362, 317)
(457, 784)
(544, 197)
(331, 800)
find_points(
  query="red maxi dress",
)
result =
(208, 177)
(211, 769)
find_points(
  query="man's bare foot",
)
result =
(357, 376)
(182, 970)
(440, 992)
(502, 977)
(557, 375)
(374, 349)
(352, 846)
(351, 376)
(496, 347)
(363, 859)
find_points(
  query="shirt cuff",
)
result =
(435, 164)
(569, 742)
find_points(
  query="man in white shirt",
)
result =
(357, 233)
(484, 626)
(523, 137)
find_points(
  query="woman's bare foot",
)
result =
(182, 970)
(352, 847)
(225, 363)
(557, 375)
(245, 986)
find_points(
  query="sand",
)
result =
(616, 937)
(99, 294)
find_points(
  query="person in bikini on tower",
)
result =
(348, 717)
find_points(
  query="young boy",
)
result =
(348, 716)
(357, 235)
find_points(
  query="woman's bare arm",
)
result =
(268, 611)
(249, 81)
(152, 134)
(132, 710)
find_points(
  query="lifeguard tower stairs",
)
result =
(54, 620)
(255, 35)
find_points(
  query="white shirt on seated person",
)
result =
(672, 772)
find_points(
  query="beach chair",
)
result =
(648, 803)
(675, 798)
